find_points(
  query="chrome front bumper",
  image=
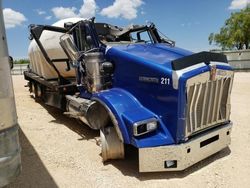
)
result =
(182, 156)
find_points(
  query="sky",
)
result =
(188, 23)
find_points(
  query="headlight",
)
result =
(145, 126)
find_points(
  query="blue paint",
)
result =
(128, 110)
(83, 92)
(152, 60)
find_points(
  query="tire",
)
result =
(112, 146)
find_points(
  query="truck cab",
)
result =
(136, 87)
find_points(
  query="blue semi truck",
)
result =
(137, 88)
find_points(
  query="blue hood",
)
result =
(156, 53)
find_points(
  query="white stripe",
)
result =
(219, 63)
(107, 49)
(177, 74)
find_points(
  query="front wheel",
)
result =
(112, 146)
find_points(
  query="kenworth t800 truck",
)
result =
(136, 87)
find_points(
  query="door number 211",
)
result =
(165, 81)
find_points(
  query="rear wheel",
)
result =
(36, 89)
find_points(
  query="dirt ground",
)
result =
(59, 152)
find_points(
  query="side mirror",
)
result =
(11, 62)
(69, 47)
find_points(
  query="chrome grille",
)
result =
(208, 102)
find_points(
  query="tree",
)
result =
(235, 34)
(21, 61)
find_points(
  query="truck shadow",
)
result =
(129, 166)
(78, 127)
(34, 173)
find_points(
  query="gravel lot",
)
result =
(59, 152)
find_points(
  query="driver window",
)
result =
(83, 39)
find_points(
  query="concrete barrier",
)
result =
(238, 59)
(18, 69)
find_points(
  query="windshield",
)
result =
(132, 34)
(141, 37)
